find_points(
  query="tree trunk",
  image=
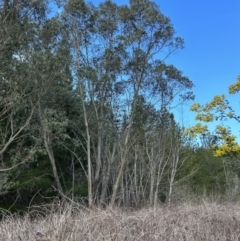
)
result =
(48, 147)
(106, 175)
(125, 148)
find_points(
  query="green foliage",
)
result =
(207, 173)
(90, 80)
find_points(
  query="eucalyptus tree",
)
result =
(96, 66)
(20, 90)
(19, 21)
(149, 38)
(118, 54)
(51, 61)
(35, 85)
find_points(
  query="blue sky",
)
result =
(211, 57)
(212, 46)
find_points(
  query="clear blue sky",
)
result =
(211, 58)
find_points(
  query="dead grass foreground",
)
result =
(208, 221)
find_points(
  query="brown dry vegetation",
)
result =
(207, 221)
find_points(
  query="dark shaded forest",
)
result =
(86, 109)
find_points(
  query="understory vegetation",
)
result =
(202, 221)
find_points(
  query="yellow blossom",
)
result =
(216, 109)
(195, 107)
(230, 114)
(234, 87)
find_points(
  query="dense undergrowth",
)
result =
(205, 221)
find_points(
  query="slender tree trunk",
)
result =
(99, 149)
(106, 175)
(175, 161)
(77, 39)
(125, 149)
(98, 161)
(49, 150)
(105, 179)
(120, 173)
(73, 175)
(47, 143)
(99, 140)
(136, 186)
(90, 195)
(124, 192)
(152, 175)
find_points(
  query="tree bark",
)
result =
(49, 150)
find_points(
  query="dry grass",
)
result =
(187, 222)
